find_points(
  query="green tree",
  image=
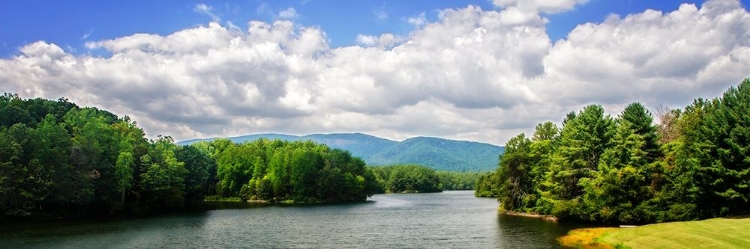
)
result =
(15, 200)
(583, 139)
(516, 181)
(124, 173)
(487, 185)
(540, 152)
(305, 166)
(623, 181)
(163, 179)
(197, 164)
(715, 137)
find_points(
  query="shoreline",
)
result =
(549, 218)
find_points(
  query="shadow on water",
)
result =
(529, 232)
(90, 233)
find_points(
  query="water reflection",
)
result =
(451, 219)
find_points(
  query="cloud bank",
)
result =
(474, 74)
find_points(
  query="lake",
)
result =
(452, 219)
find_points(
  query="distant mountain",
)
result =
(437, 153)
(441, 154)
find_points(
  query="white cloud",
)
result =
(289, 13)
(367, 40)
(471, 74)
(385, 41)
(537, 6)
(527, 12)
(417, 21)
(652, 56)
(207, 10)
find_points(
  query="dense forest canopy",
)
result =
(407, 178)
(57, 159)
(276, 170)
(413, 178)
(61, 160)
(451, 180)
(694, 164)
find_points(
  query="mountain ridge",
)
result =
(434, 152)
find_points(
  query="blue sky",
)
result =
(66, 23)
(481, 70)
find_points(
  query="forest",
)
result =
(413, 178)
(407, 178)
(282, 171)
(60, 160)
(691, 164)
(452, 180)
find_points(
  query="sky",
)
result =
(470, 70)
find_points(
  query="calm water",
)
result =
(454, 219)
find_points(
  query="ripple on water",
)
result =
(454, 219)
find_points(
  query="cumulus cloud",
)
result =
(653, 56)
(537, 6)
(527, 12)
(384, 41)
(473, 74)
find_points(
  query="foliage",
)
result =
(693, 165)
(487, 185)
(450, 180)
(60, 160)
(276, 170)
(407, 178)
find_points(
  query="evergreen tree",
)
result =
(624, 177)
(515, 177)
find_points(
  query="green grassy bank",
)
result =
(712, 233)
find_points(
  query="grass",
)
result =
(585, 238)
(711, 233)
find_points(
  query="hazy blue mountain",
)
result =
(437, 153)
(441, 154)
(270, 136)
(360, 145)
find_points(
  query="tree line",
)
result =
(406, 178)
(693, 164)
(60, 160)
(57, 159)
(276, 171)
(452, 180)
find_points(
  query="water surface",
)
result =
(453, 219)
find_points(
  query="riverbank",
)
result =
(711, 233)
(549, 218)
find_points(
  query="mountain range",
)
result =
(436, 153)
